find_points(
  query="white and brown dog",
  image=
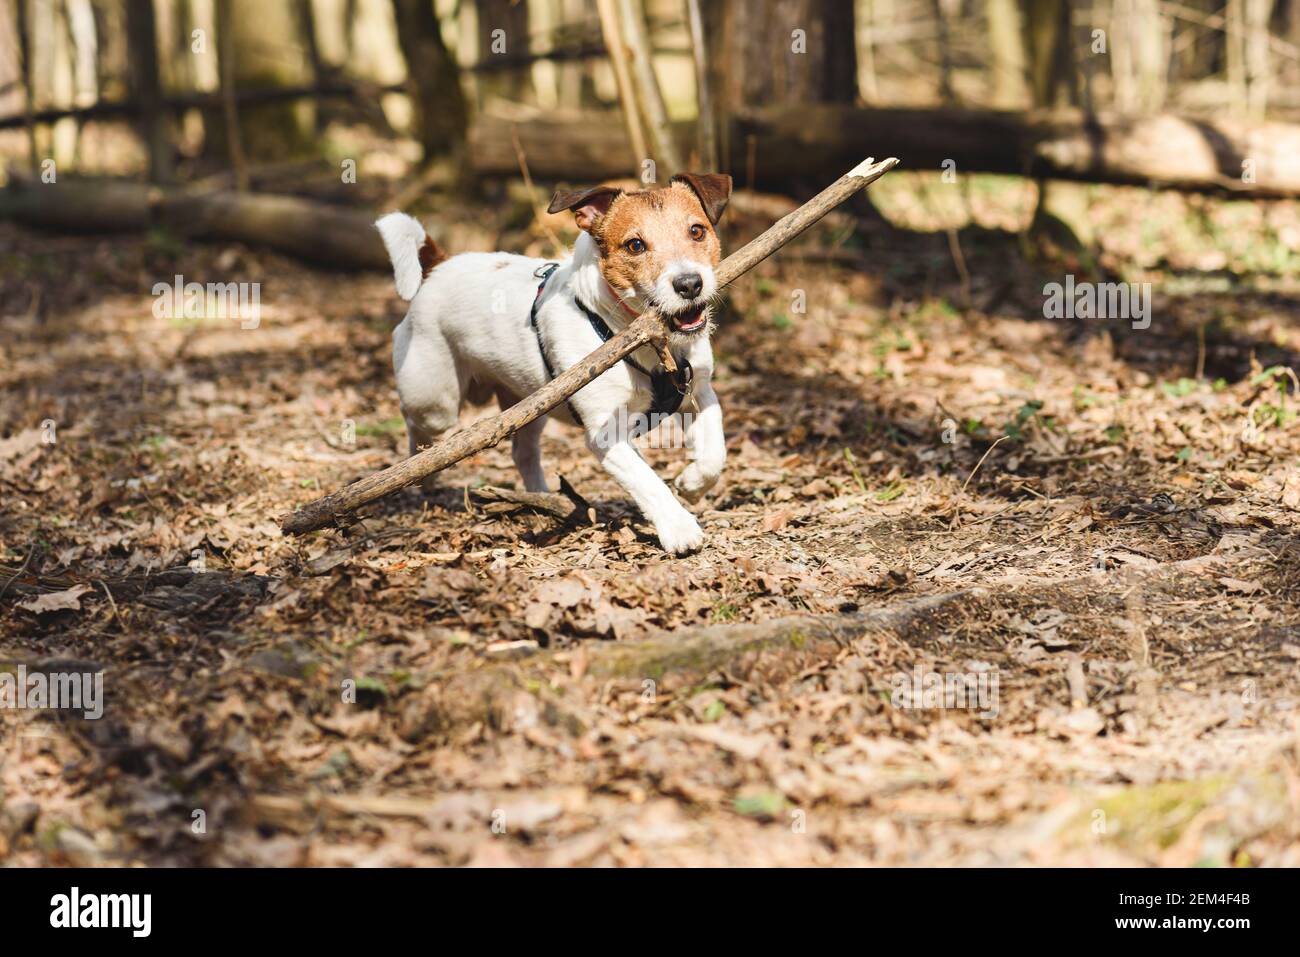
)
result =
(496, 323)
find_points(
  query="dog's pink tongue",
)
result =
(689, 320)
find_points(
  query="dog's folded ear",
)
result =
(587, 204)
(713, 190)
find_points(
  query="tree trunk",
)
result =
(262, 52)
(706, 116)
(111, 55)
(774, 52)
(306, 22)
(1052, 72)
(503, 32)
(635, 39)
(618, 61)
(440, 110)
(142, 41)
(1258, 72)
(233, 132)
(1060, 226)
(777, 53)
(23, 41)
(1007, 49)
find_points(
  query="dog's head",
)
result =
(657, 246)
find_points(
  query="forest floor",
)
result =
(1092, 524)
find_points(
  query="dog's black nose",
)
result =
(688, 285)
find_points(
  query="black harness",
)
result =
(668, 389)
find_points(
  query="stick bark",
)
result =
(646, 328)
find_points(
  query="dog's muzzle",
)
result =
(682, 295)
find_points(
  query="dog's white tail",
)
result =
(412, 250)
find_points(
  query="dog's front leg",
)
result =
(707, 444)
(677, 528)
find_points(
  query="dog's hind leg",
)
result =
(429, 387)
(526, 447)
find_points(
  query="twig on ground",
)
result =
(986, 454)
(959, 260)
(562, 507)
(14, 577)
(768, 652)
(1077, 457)
(576, 497)
(1077, 683)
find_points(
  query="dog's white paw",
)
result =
(692, 483)
(680, 534)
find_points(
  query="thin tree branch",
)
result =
(622, 77)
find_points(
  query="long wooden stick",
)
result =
(646, 328)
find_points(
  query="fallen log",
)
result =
(647, 328)
(763, 653)
(768, 653)
(316, 232)
(814, 141)
(1185, 153)
(180, 102)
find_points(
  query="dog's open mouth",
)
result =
(691, 320)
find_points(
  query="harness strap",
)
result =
(668, 389)
(544, 273)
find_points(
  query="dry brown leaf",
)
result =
(1239, 586)
(777, 519)
(67, 600)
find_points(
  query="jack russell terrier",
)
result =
(496, 323)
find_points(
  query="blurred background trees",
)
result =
(283, 96)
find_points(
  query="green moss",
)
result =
(1154, 817)
(1158, 813)
(760, 804)
(386, 427)
(724, 611)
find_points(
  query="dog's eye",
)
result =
(634, 246)
(697, 232)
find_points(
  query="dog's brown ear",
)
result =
(588, 205)
(713, 190)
